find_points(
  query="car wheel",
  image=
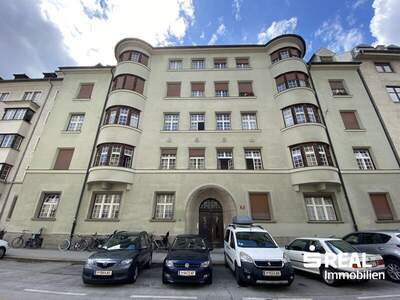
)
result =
(209, 280)
(393, 270)
(134, 274)
(325, 277)
(2, 252)
(238, 276)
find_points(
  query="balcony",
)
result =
(105, 174)
(8, 155)
(295, 96)
(131, 67)
(321, 176)
(20, 127)
(114, 133)
(288, 65)
(304, 133)
(127, 98)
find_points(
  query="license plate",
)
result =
(187, 273)
(103, 273)
(272, 273)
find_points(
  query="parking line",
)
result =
(54, 292)
(375, 297)
(163, 297)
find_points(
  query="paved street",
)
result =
(55, 280)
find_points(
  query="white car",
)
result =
(254, 256)
(333, 259)
(3, 248)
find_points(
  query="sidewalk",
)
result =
(217, 255)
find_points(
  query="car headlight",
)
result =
(205, 264)
(286, 258)
(126, 262)
(169, 263)
(245, 257)
(90, 262)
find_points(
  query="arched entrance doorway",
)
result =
(211, 222)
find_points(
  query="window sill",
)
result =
(209, 69)
(203, 98)
(325, 222)
(71, 131)
(163, 220)
(121, 126)
(294, 89)
(355, 130)
(134, 62)
(81, 99)
(44, 219)
(128, 91)
(387, 221)
(101, 220)
(303, 124)
(342, 96)
(273, 64)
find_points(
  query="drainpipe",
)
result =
(90, 161)
(26, 148)
(346, 196)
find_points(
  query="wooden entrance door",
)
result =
(211, 222)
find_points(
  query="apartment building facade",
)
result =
(181, 139)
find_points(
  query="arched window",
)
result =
(291, 80)
(135, 56)
(128, 82)
(284, 53)
(122, 115)
(300, 113)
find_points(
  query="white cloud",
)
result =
(277, 28)
(202, 35)
(358, 3)
(236, 9)
(385, 24)
(91, 28)
(218, 33)
(337, 38)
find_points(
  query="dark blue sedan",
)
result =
(188, 260)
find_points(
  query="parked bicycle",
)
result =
(79, 244)
(35, 240)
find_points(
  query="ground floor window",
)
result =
(320, 208)
(106, 206)
(164, 206)
(381, 206)
(49, 205)
(260, 206)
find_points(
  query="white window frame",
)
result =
(288, 117)
(320, 208)
(75, 122)
(175, 64)
(106, 206)
(195, 119)
(255, 156)
(49, 205)
(310, 155)
(249, 121)
(168, 161)
(164, 206)
(4, 96)
(223, 121)
(171, 122)
(394, 93)
(32, 95)
(225, 154)
(198, 64)
(364, 160)
(197, 162)
(297, 157)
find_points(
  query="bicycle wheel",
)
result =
(18, 242)
(64, 245)
(81, 245)
(92, 244)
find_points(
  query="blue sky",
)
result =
(39, 36)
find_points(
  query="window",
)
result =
(197, 64)
(225, 159)
(25, 114)
(135, 56)
(253, 159)
(320, 208)
(197, 89)
(31, 96)
(291, 80)
(381, 206)
(114, 155)
(394, 93)
(245, 89)
(301, 113)
(75, 122)
(284, 53)
(171, 122)
(197, 121)
(350, 120)
(196, 159)
(49, 205)
(175, 64)
(63, 160)
(221, 89)
(383, 67)
(85, 91)
(128, 82)
(310, 155)
(220, 63)
(173, 89)
(337, 87)
(249, 121)
(223, 121)
(122, 115)
(259, 206)
(4, 96)
(10, 141)
(363, 159)
(4, 170)
(106, 206)
(242, 63)
(168, 159)
(164, 206)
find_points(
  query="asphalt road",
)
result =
(50, 280)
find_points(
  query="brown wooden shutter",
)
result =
(275, 56)
(168, 151)
(219, 60)
(174, 89)
(336, 84)
(129, 82)
(350, 120)
(291, 76)
(63, 160)
(302, 76)
(125, 56)
(294, 52)
(139, 85)
(381, 206)
(119, 82)
(198, 86)
(144, 59)
(242, 60)
(221, 86)
(259, 205)
(85, 91)
(245, 88)
(280, 79)
(196, 152)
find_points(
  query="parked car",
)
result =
(383, 242)
(254, 256)
(297, 249)
(188, 260)
(3, 248)
(120, 259)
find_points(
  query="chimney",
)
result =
(20, 76)
(49, 75)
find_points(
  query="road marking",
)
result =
(274, 298)
(163, 297)
(54, 292)
(375, 297)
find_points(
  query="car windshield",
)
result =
(123, 241)
(255, 240)
(340, 246)
(195, 243)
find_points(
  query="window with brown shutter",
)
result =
(196, 152)
(349, 120)
(85, 91)
(173, 89)
(245, 89)
(381, 206)
(139, 85)
(221, 89)
(197, 87)
(259, 206)
(63, 160)
(242, 63)
(337, 87)
(128, 82)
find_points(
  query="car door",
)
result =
(230, 250)
(314, 246)
(143, 251)
(295, 251)
(374, 243)
(355, 239)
